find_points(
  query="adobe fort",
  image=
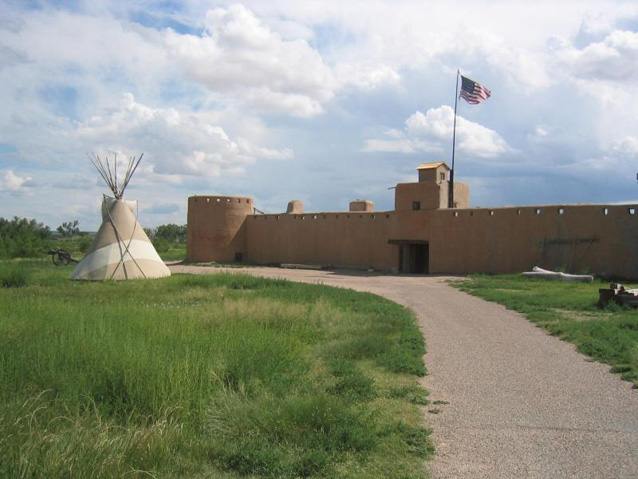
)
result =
(422, 235)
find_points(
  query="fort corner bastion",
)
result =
(421, 235)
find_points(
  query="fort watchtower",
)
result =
(216, 228)
(432, 190)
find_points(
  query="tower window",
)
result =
(416, 205)
(442, 176)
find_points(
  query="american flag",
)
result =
(472, 92)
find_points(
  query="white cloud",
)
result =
(539, 134)
(432, 132)
(524, 68)
(615, 58)
(626, 147)
(11, 182)
(162, 209)
(203, 102)
(82, 43)
(176, 143)
(366, 76)
(403, 145)
(241, 55)
(601, 66)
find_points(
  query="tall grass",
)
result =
(569, 311)
(13, 275)
(206, 376)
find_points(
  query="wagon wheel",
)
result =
(61, 257)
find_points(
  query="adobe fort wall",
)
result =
(216, 228)
(422, 235)
(601, 239)
(342, 239)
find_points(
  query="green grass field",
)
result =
(176, 252)
(569, 311)
(220, 376)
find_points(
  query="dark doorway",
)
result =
(421, 258)
(414, 256)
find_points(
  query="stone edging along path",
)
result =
(515, 402)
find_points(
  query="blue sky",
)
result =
(323, 101)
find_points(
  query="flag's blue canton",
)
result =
(473, 92)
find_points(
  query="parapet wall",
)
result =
(216, 228)
(342, 239)
(601, 239)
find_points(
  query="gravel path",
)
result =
(517, 402)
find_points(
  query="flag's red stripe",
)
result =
(473, 92)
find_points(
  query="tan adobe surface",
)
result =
(427, 166)
(422, 235)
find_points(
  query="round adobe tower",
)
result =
(216, 230)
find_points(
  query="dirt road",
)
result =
(520, 403)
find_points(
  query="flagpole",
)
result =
(450, 202)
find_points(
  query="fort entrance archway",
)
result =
(414, 256)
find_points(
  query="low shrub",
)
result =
(84, 243)
(13, 276)
(161, 245)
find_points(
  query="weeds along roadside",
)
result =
(211, 376)
(569, 310)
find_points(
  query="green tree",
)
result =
(171, 232)
(21, 237)
(69, 228)
(150, 232)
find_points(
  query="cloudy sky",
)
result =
(319, 100)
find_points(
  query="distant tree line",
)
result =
(23, 238)
(165, 236)
(170, 232)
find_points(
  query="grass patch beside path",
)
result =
(220, 376)
(568, 310)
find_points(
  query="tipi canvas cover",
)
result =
(121, 249)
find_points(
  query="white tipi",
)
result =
(121, 249)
